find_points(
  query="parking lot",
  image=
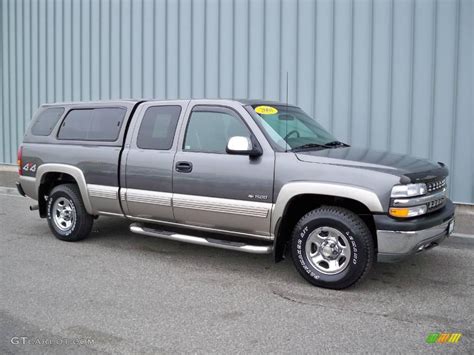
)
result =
(119, 292)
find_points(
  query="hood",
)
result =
(409, 168)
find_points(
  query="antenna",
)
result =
(286, 120)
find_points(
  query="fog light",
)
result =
(407, 211)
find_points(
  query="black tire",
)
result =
(80, 221)
(353, 230)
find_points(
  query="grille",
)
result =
(436, 204)
(436, 185)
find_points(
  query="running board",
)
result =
(216, 243)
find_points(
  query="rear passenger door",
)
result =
(148, 163)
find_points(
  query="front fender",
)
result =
(292, 189)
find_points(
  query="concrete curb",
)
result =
(465, 209)
(462, 235)
(9, 168)
(10, 191)
(464, 212)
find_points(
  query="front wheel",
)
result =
(332, 247)
(67, 216)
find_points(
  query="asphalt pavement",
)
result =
(117, 292)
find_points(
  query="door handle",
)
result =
(184, 166)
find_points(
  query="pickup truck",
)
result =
(248, 175)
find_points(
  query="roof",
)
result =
(262, 102)
(134, 101)
(96, 102)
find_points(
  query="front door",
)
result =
(216, 190)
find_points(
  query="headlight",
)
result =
(406, 212)
(409, 190)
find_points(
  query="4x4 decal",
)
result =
(29, 167)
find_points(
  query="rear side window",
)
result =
(46, 121)
(158, 127)
(99, 124)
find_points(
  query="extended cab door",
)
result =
(216, 190)
(147, 164)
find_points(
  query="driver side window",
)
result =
(209, 131)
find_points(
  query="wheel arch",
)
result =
(50, 175)
(296, 199)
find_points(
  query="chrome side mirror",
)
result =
(243, 146)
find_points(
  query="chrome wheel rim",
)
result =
(63, 214)
(328, 250)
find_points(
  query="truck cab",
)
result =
(247, 175)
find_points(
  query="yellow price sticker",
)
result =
(266, 110)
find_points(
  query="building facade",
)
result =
(386, 74)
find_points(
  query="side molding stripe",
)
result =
(148, 197)
(101, 191)
(223, 205)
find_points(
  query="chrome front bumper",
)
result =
(396, 245)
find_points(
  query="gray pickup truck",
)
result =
(248, 175)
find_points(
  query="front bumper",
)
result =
(397, 239)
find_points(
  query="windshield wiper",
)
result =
(337, 144)
(333, 144)
(310, 145)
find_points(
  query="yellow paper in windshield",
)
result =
(266, 110)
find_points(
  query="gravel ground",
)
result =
(117, 292)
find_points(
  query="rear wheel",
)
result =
(67, 216)
(332, 247)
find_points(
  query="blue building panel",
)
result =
(385, 74)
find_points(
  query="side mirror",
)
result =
(244, 146)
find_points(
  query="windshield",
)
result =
(289, 127)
